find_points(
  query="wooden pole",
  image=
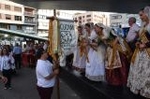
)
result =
(57, 60)
(57, 77)
(51, 50)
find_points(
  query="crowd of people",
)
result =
(12, 58)
(100, 55)
(103, 55)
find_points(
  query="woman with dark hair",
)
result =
(46, 74)
(6, 63)
(139, 74)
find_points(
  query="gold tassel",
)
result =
(53, 27)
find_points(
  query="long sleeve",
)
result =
(2, 64)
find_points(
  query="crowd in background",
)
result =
(100, 55)
(12, 58)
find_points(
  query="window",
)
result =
(29, 29)
(41, 17)
(18, 18)
(88, 16)
(7, 17)
(17, 9)
(80, 18)
(116, 24)
(6, 26)
(46, 32)
(116, 17)
(19, 27)
(7, 7)
(88, 20)
(80, 22)
(28, 20)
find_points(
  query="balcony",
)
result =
(31, 14)
(30, 32)
(34, 22)
(29, 22)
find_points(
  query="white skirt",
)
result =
(95, 69)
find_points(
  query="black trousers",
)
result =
(7, 74)
(17, 58)
(45, 93)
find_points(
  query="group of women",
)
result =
(105, 56)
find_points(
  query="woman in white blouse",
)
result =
(6, 63)
(2, 78)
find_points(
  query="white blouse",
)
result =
(6, 62)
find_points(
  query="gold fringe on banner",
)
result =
(50, 35)
(54, 37)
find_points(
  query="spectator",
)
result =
(6, 69)
(133, 33)
(17, 55)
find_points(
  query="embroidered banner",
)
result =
(67, 36)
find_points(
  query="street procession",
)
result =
(94, 54)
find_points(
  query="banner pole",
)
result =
(53, 49)
(57, 59)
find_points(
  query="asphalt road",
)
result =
(24, 87)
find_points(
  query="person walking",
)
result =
(17, 55)
(6, 63)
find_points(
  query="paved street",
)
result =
(23, 87)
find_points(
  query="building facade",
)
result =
(17, 17)
(30, 20)
(122, 19)
(91, 17)
(43, 21)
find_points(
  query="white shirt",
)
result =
(43, 69)
(6, 62)
(133, 31)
